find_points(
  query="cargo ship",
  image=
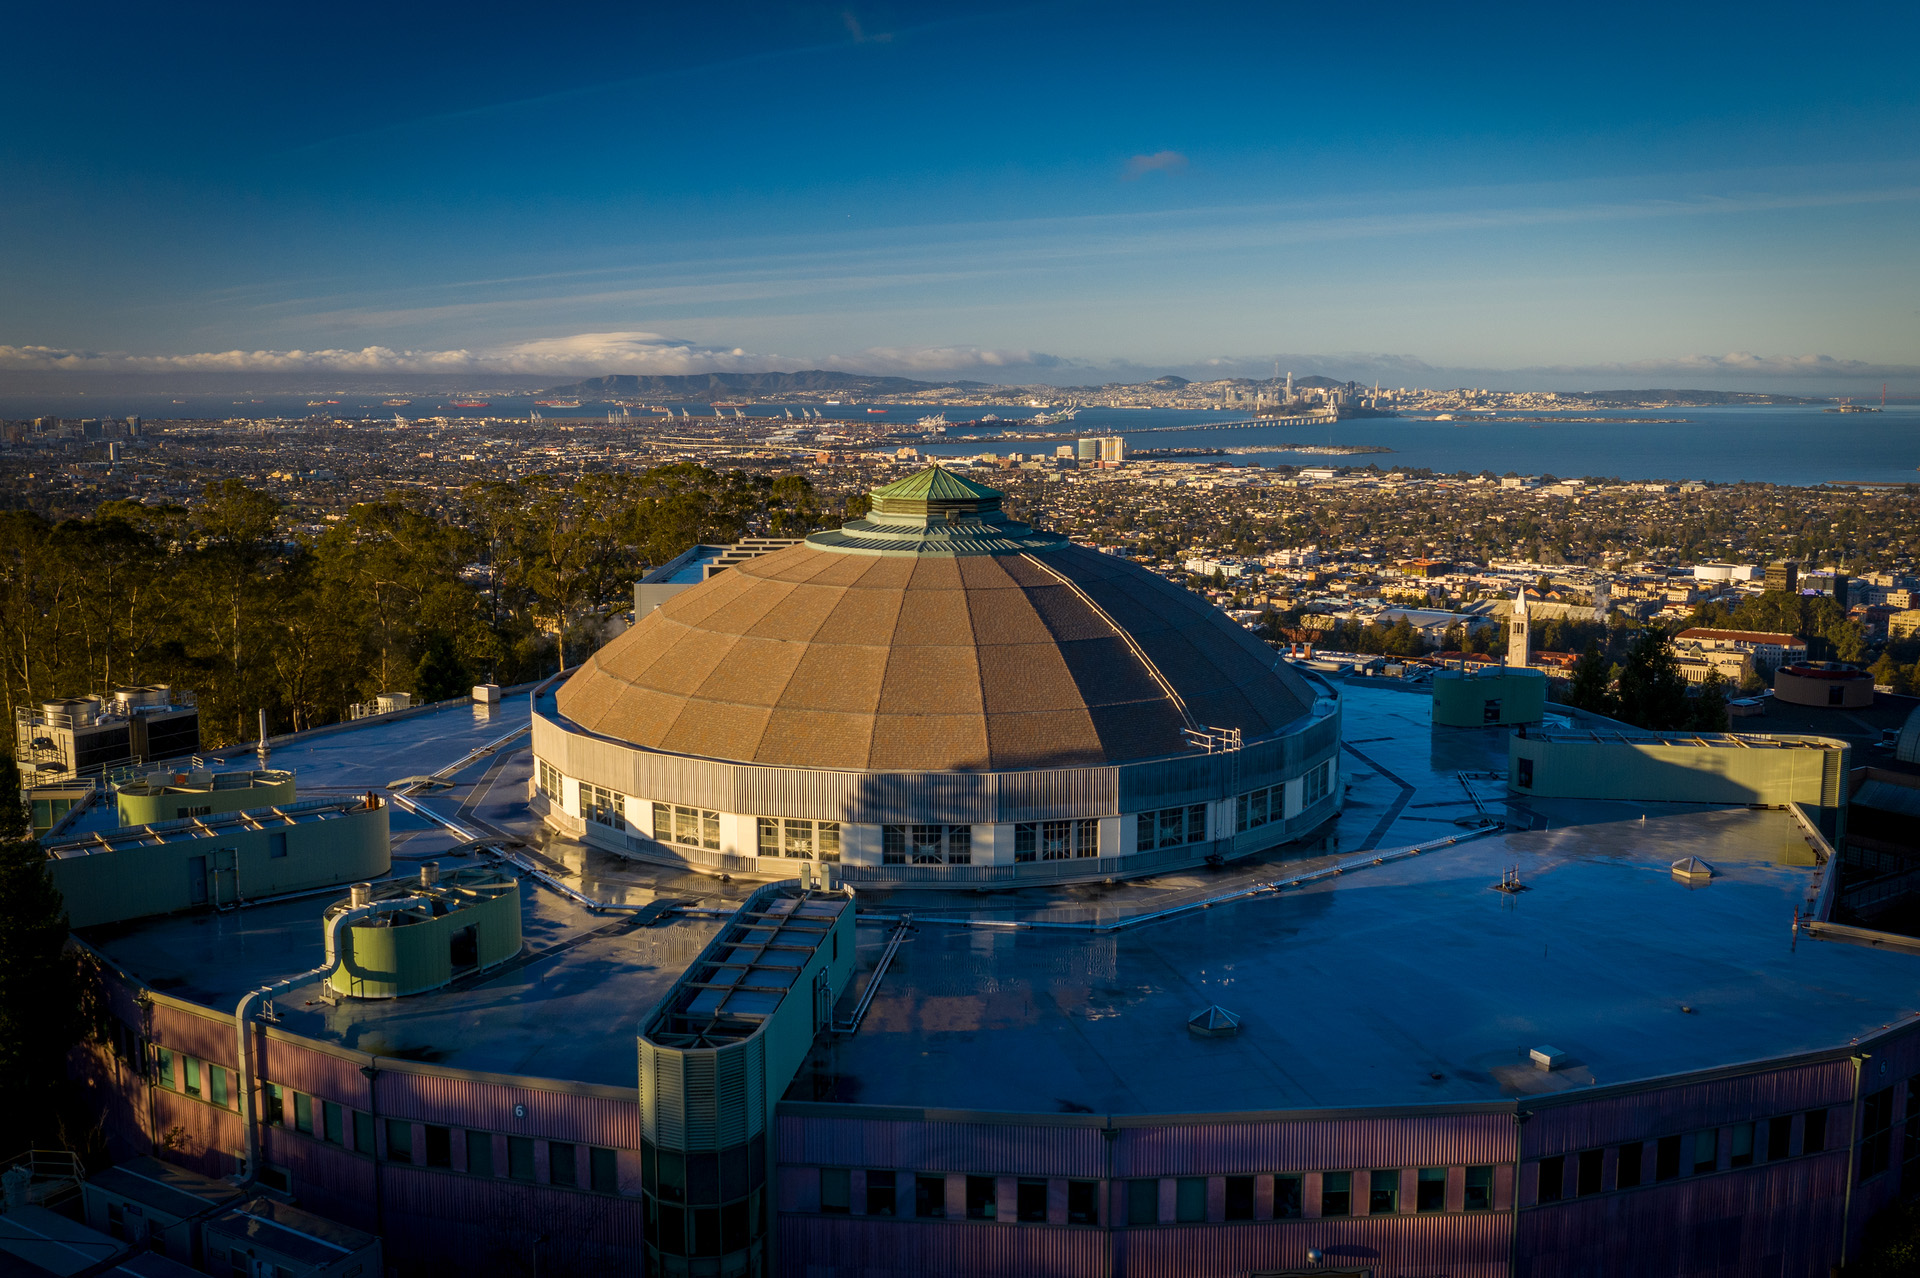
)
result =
(557, 403)
(396, 403)
(472, 403)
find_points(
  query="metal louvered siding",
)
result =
(1458, 1245)
(430, 1097)
(1444, 1140)
(662, 1096)
(700, 1099)
(857, 1245)
(1610, 1120)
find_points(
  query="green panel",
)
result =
(395, 960)
(1501, 696)
(139, 880)
(140, 804)
(1670, 771)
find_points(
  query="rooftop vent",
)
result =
(1691, 869)
(1213, 1021)
(1547, 1058)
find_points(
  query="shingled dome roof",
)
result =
(936, 634)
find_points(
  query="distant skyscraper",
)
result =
(1602, 600)
(1113, 448)
(1783, 574)
(1519, 641)
(1089, 449)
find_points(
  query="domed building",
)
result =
(937, 693)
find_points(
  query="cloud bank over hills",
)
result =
(643, 353)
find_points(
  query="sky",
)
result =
(1566, 196)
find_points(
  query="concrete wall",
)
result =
(1650, 770)
(1460, 699)
(138, 880)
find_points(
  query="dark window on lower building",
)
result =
(1030, 1201)
(1666, 1158)
(362, 1132)
(333, 1127)
(1626, 1172)
(706, 1231)
(736, 1225)
(671, 1170)
(1876, 1133)
(1779, 1138)
(703, 1177)
(836, 1190)
(1525, 779)
(520, 1161)
(982, 1203)
(1383, 1193)
(1083, 1201)
(563, 1163)
(603, 1167)
(1706, 1152)
(1238, 1202)
(1479, 1195)
(439, 1141)
(1553, 1175)
(930, 1197)
(880, 1197)
(673, 1229)
(1742, 1146)
(1336, 1194)
(1587, 1178)
(1287, 1198)
(480, 1153)
(1430, 1189)
(399, 1141)
(1813, 1136)
(735, 1173)
(1190, 1199)
(1143, 1202)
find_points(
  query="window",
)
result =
(520, 1163)
(927, 845)
(189, 1075)
(826, 837)
(1316, 784)
(163, 1065)
(836, 1190)
(1706, 1151)
(548, 779)
(880, 1193)
(1143, 1202)
(276, 845)
(273, 1104)
(1742, 1146)
(362, 1132)
(1383, 1194)
(797, 840)
(1666, 1158)
(1490, 710)
(303, 1113)
(1171, 827)
(603, 1170)
(930, 1197)
(1553, 1174)
(1626, 1173)
(1813, 1137)
(1257, 807)
(563, 1163)
(1779, 1138)
(399, 1141)
(1876, 1133)
(981, 1200)
(1030, 1201)
(1430, 1189)
(1083, 1201)
(1587, 1173)
(332, 1128)
(603, 806)
(769, 840)
(1524, 773)
(439, 1142)
(1190, 1199)
(1479, 1189)
(1336, 1194)
(791, 837)
(1287, 1198)
(1238, 1203)
(218, 1086)
(689, 827)
(479, 1153)
(1026, 841)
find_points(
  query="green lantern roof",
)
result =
(936, 512)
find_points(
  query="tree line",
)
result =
(511, 582)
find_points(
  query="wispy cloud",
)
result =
(1159, 162)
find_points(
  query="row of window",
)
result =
(1171, 827)
(214, 1084)
(607, 807)
(1581, 1174)
(795, 837)
(693, 827)
(1269, 803)
(926, 845)
(355, 1129)
(885, 1195)
(1055, 840)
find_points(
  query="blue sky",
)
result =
(1527, 195)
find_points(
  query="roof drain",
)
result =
(1165, 687)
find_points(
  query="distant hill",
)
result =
(706, 387)
(1639, 398)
